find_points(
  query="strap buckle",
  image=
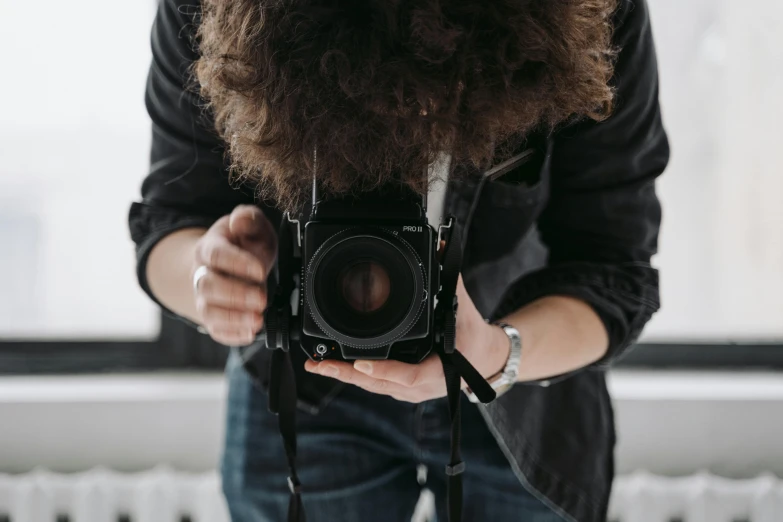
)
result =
(296, 222)
(456, 469)
(294, 486)
(442, 231)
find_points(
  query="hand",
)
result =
(239, 251)
(485, 346)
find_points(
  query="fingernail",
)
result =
(331, 371)
(363, 366)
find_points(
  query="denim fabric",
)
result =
(358, 460)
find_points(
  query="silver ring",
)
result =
(197, 275)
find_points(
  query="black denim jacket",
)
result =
(581, 219)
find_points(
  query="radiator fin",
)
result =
(101, 495)
(643, 497)
(164, 495)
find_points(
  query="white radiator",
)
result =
(163, 495)
(642, 497)
(100, 495)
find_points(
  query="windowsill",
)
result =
(668, 422)
(660, 385)
(113, 388)
(624, 385)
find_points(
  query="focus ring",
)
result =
(396, 242)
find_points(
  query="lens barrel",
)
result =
(365, 287)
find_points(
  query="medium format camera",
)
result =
(368, 278)
(365, 278)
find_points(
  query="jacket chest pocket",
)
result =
(506, 207)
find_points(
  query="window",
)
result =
(74, 137)
(721, 249)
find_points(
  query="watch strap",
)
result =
(510, 372)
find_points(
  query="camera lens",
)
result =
(365, 286)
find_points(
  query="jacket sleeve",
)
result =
(187, 184)
(602, 219)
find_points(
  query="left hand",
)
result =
(485, 346)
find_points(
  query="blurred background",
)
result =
(91, 376)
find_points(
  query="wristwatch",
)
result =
(502, 381)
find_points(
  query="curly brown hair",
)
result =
(381, 87)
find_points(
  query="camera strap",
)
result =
(287, 418)
(282, 379)
(455, 367)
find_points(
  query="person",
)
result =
(242, 92)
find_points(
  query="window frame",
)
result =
(177, 347)
(180, 347)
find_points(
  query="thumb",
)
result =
(252, 231)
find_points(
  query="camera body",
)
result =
(369, 278)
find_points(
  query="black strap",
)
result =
(287, 421)
(455, 368)
(275, 371)
(475, 381)
(455, 467)
(282, 379)
(278, 315)
(447, 313)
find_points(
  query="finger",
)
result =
(248, 221)
(220, 290)
(345, 372)
(220, 227)
(410, 375)
(219, 254)
(253, 232)
(231, 337)
(417, 397)
(229, 319)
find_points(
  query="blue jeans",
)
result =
(358, 460)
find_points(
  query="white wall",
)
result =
(74, 142)
(667, 423)
(721, 250)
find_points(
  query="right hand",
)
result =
(239, 251)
